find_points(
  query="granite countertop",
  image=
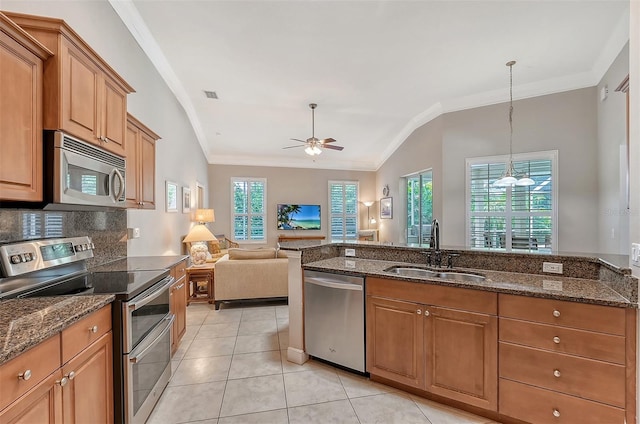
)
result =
(562, 288)
(26, 322)
(140, 263)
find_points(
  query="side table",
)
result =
(205, 276)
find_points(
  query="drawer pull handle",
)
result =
(556, 340)
(426, 313)
(62, 382)
(419, 312)
(556, 313)
(24, 375)
(556, 413)
(93, 329)
(556, 373)
(71, 375)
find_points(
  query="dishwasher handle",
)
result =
(334, 284)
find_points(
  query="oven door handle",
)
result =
(152, 295)
(135, 357)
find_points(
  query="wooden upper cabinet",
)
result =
(21, 85)
(83, 95)
(141, 165)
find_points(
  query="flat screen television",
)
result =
(298, 217)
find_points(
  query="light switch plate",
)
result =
(635, 254)
(552, 267)
(349, 252)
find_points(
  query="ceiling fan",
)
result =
(313, 146)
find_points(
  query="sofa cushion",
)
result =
(260, 253)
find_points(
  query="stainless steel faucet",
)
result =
(434, 244)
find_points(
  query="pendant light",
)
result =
(510, 178)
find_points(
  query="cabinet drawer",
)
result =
(35, 364)
(179, 270)
(605, 347)
(604, 319)
(84, 332)
(587, 378)
(535, 405)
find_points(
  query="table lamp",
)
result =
(199, 237)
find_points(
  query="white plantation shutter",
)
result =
(248, 209)
(343, 210)
(527, 213)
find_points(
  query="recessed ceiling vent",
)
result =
(210, 94)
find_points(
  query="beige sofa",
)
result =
(251, 274)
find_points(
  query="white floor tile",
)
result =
(201, 370)
(309, 387)
(256, 343)
(262, 326)
(442, 414)
(336, 412)
(255, 364)
(388, 408)
(188, 403)
(256, 394)
(278, 416)
(210, 331)
(203, 348)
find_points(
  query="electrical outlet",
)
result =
(349, 264)
(552, 285)
(635, 254)
(133, 233)
(349, 252)
(552, 267)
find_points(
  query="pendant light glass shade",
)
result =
(510, 178)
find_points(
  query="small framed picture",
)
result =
(186, 200)
(386, 208)
(171, 196)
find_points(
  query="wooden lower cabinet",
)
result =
(77, 391)
(90, 377)
(462, 356)
(444, 351)
(395, 341)
(178, 293)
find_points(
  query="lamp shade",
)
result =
(367, 204)
(205, 215)
(199, 233)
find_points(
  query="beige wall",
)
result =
(613, 221)
(179, 157)
(284, 185)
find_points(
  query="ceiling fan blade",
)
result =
(332, 147)
(327, 140)
(291, 147)
(297, 139)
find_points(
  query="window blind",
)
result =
(343, 210)
(249, 208)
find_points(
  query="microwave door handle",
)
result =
(116, 174)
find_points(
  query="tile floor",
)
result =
(231, 367)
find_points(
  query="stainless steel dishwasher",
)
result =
(334, 318)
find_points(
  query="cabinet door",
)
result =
(88, 396)
(147, 172)
(461, 354)
(395, 340)
(178, 307)
(42, 404)
(21, 106)
(113, 118)
(132, 179)
(80, 85)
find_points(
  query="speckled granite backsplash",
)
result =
(107, 229)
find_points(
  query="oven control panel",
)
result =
(28, 256)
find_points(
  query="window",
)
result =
(419, 207)
(343, 210)
(527, 213)
(249, 197)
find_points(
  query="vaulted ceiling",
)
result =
(376, 69)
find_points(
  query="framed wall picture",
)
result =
(186, 200)
(171, 196)
(386, 208)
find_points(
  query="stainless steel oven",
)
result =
(146, 349)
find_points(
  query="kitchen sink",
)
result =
(411, 272)
(461, 276)
(406, 271)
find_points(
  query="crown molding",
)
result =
(315, 162)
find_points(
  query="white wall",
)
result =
(178, 155)
(613, 221)
(634, 93)
(285, 185)
(566, 122)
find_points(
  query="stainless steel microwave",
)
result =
(79, 173)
